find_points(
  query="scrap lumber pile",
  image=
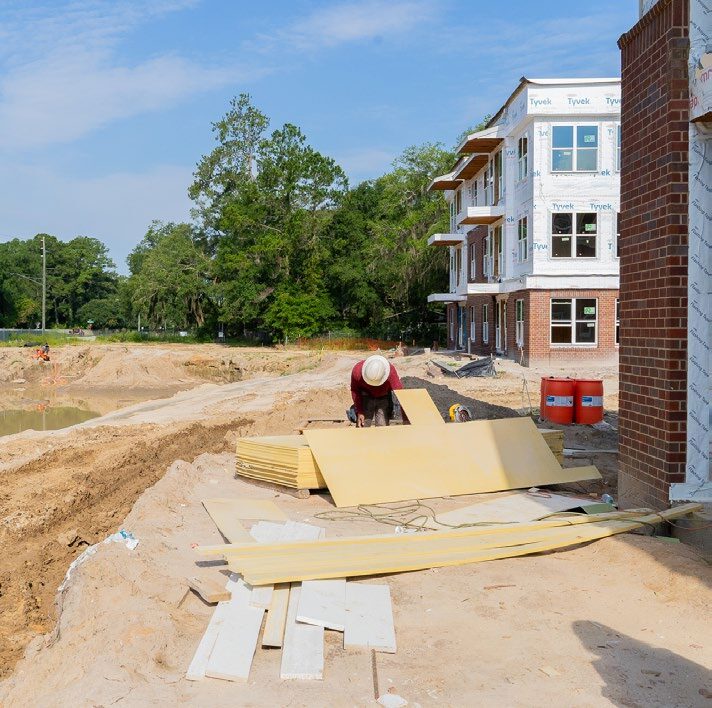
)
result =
(285, 460)
(298, 614)
(302, 580)
(370, 555)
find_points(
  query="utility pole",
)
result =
(44, 284)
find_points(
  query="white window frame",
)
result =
(500, 252)
(458, 265)
(473, 261)
(616, 245)
(453, 226)
(574, 148)
(489, 183)
(486, 256)
(473, 324)
(573, 235)
(617, 332)
(618, 149)
(519, 323)
(523, 157)
(498, 163)
(458, 200)
(572, 324)
(523, 239)
(452, 323)
(485, 324)
(473, 191)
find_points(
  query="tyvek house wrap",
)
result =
(698, 472)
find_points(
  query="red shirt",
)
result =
(359, 386)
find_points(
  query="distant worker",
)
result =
(42, 354)
(372, 384)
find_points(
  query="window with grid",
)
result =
(574, 148)
(618, 150)
(486, 257)
(473, 192)
(485, 324)
(573, 235)
(458, 201)
(473, 261)
(458, 265)
(522, 239)
(452, 216)
(473, 328)
(523, 157)
(489, 184)
(519, 322)
(574, 321)
(618, 321)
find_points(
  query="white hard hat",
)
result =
(375, 370)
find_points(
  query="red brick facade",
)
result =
(653, 246)
(536, 341)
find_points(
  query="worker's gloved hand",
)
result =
(360, 420)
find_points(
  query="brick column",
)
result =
(653, 264)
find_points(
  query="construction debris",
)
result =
(479, 367)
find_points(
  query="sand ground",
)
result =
(623, 621)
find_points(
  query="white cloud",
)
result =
(67, 81)
(334, 25)
(117, 208)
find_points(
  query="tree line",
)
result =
(278, 244)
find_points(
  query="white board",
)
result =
(196, 670)
(234, 649)
(323, 603)
(303, 649)
(369, 618)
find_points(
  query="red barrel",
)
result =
(557, 400)
(588, 405)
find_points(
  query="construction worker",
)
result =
(372, 383)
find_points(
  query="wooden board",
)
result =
(322, 602)
(227, 524)
(419, 407)
(370, 555)
(397, 463)
(303, 650)
(508, 508)
(234, 649)
(208, 588)
(369, 618)
(246, 509)
(196, 670)
(270, 532)
(273, 634)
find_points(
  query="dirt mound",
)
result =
(74, 496)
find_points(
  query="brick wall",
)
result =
(653, 264)
(537, 328)
(478, 347)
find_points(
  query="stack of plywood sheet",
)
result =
(283, 459)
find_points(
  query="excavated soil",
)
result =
(67, 489)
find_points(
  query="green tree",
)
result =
(174, 283)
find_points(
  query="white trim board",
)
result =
(303, 649)
(231, 657)
(369, 617)
(323, 603)
(196, 670)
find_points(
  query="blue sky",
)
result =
(106, 106)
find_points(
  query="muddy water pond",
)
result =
(46, 418)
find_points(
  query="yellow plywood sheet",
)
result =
(419, 407)
(387, 464)
(250, 509)
(369, 555)
(224, 513)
